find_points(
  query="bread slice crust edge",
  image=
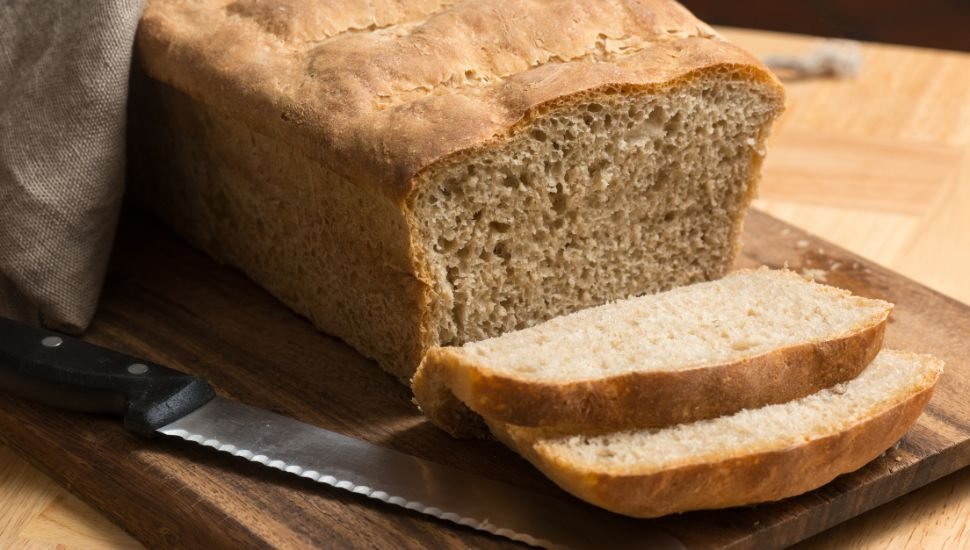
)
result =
(731, 480)
(641, 399)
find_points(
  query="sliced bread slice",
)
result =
(753, 338)
(753, 456)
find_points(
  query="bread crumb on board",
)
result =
(813, 274)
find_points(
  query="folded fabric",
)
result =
(64, 68)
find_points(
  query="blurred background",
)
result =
(928, 23)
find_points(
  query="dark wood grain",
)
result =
(927, 23)
(168, 303)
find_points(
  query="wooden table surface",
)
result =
(879, 164)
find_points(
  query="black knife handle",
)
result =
(68, 373)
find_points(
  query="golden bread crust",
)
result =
(385, 91)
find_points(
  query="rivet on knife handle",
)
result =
(71, 374)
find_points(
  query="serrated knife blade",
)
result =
(153, 399)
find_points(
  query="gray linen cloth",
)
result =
(64, 67)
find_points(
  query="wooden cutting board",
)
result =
(170, 304)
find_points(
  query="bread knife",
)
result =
(68, 373)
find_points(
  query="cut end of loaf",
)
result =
(601, 197)
(753, 456)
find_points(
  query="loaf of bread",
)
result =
(700, 351)
(412, 173)
(753, 456)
